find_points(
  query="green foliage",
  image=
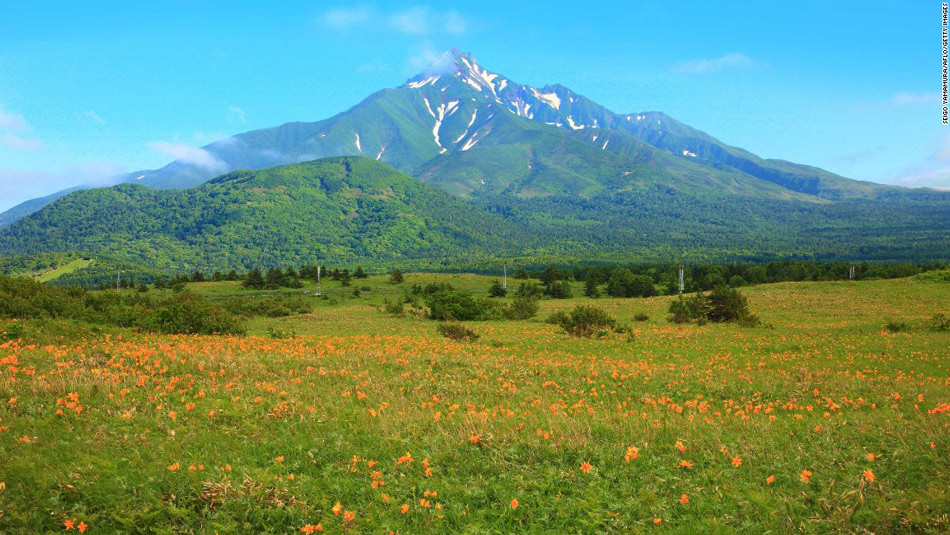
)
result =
(394, 307)
(529, 289)
(460, 305)
(396, 277)
(585, 321)
(641, 316)
(456, 331)
(521, 308)
(623, 283)
(185, 313)
(939, 323)
(496, 289)
(896, 326)
(722, 304)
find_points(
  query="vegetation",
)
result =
(456, 331)
(824, 423)
(585, 320)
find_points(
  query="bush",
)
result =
(585, 320)
(459, 305)
(456, 331)
(522, 308)
(897, 326)
(396, 277)
(396, 308)
(280, 334)
(641, 317)
(939, 323)
(497, 290)
(529, 289)
(723, 304)
(186, 313)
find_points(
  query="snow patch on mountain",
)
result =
(358, 142)
(551, 99)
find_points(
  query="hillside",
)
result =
(340, 208)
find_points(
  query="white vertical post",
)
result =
(504, 271)
(118, 278)
(682, 285)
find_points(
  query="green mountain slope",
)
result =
(337, 208)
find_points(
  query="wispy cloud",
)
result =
(852, 158)
(12, 121)
(93, 116)
(732, 60)
(19, 185)
(236, 114)
(12, 141)
(931, 178)
(907, 98)
(416, 21)
(188, 154)
(344, 18)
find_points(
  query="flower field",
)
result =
(820, 421)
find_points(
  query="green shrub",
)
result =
(685, 310)
(497, 290)
(280, 334)
(641, 317)
(521, 308)
(722, 304)
(586, 321)
(456, 331)
(939, 323)
(897, 326)
(459, 305)
(396, 307)
(186, 313)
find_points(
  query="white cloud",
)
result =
(417, 21)
(932, 178)
(21, 185)
(93, 116)
(189, 154)
(732, 60)
(906, 98)
(423, 55)
(345, 18)
(210, 137)
(236, 114)
(12, 121)
(413, 21)
(15, 142)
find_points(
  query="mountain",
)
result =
(341, 208)
(439, 124)
(481, 167)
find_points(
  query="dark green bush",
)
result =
(897, 326)
(585, 320)
(457, 331)
(722, 304)
(459, 305)
(641, 317)
(521, 308)
(186, 313)
(939, 323)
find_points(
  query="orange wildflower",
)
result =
(679, 445)
(657, 521)
(173, 467)
(404, 509)
(686, 464)
(769, 480)
(475, 438)
(348, 516)
(869, 476)
(806, 476)
(585, 467)
(69, 523)
(737, 462)
(337, 509)
(514, 503)
(82, 527)
(684, 499)
(632, 453)
(279, 459)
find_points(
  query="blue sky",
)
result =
(92, 89)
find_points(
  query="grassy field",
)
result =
(820, 421)
(70, 267)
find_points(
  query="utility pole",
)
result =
(681, 279)
(851, 273)
(504, 271)
(118, 279)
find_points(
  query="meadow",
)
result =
(833, 416)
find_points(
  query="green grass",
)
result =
(65, 269)
(513, 415)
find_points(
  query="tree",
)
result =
(521, 274)
(359, 273)
(496, 289)
(590, 288)
(254, 279)
(396, 277)
(345, 277)
(274, 278)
